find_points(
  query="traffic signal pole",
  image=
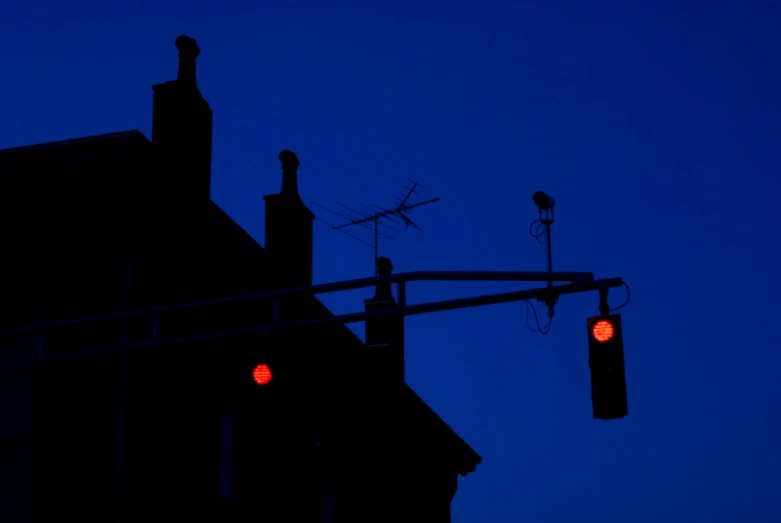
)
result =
(577, 282)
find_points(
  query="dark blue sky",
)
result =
(655, 127)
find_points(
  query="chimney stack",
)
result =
(385, 334)
(289, 228)
(182, 133)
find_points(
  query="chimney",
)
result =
(289, 228)
(385, 334)
(182, 133)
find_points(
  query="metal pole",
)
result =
(550, 251)
(376, 245)
(120, 437)
(401, 291)
(119, 461)
(409, 310)
(155, 327)
(226, 465)
(548, 222)
(276, 310)
(323, 288)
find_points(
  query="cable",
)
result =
(537, 234)
(628, 297)
(542, 330)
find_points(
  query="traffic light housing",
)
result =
(280, 371)
(606, 361)
(255, 372)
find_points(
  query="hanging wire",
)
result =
(628, 297)
(541, 329)
(538, 232)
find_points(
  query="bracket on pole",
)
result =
(604, 308)
(545, 204)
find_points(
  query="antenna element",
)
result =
(398, 215)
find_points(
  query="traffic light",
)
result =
(606, 361)
(262, 374)
(255, 371)
(272, 370)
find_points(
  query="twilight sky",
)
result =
(654, 124)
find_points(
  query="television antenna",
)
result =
(398, 216)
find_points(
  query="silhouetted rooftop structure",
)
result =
(116, 222)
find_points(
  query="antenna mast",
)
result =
(405, 203)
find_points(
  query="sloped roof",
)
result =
(67, 152)
(417, 421)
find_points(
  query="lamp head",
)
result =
(543, 201)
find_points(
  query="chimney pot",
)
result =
(383, 290)
(188, 52)
(188, 48)
(290, 165)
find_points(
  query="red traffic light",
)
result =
(606, 365)
(262, 374)
(603, 331)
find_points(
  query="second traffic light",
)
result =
(606, 361)
(255, 370)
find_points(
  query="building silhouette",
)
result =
(180, 431)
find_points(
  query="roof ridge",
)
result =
(73, 141)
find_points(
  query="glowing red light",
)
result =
(261, 374)
(603, 331)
